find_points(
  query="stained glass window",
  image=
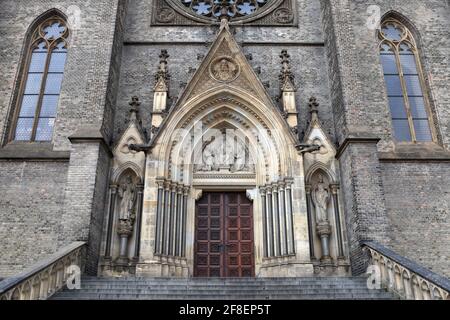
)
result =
(404, 83)
(42, 82)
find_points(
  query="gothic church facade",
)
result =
(249, 138)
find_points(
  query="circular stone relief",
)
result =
(224, 69)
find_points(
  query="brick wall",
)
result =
(418, 201)
(87, 101)
(31, 204)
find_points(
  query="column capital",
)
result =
(263, 191)
(334, 188)
(308, 188)
(160, 182)
(275, 187)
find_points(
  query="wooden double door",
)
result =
(224, 245)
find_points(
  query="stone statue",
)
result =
(320, 197)
(127, 193)
(209, 156)
(221, 155)
(239, 162)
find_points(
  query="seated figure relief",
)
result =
(219, 154)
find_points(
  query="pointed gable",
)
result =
(225, 56)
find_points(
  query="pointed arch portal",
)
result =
(224, 139)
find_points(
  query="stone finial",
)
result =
(287, 86)
(162, 76)
(134, 108)
(314, 109)
(161, 88)
(287, 78)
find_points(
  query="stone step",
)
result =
(228, 291)
(241, 283)
(240, 280)
(193, 288)
(347, 288)
(221, 297)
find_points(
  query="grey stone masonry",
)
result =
(31, 205)
(55, 193)
(86, 194)
(366, 215)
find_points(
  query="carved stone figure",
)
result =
(218, 155)
(320, 197)
(209, 156)
(224, 69)
(127, 194)
(239, 162)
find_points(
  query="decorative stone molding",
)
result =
(198, 193)
(45, 279)
(251, 194)
(271, 13)
(165, 15)
(216, 176)
(404, 277)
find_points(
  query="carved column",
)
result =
(276, 221)
(183, 233)
(290, 223)
(310, 222)
(125, 230)
(270, 231)
(171, 241)
(165, 220)
(137, 246)
(179, 221)
(324, 232)
(284, 218)
(264, 219)
(159, 218)
(112, 208)
(334, 191)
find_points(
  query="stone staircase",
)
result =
(315, 288)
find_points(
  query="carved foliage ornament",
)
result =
(224, 69)
(165, 15)
(283, 15)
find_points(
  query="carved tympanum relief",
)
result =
(225, 154)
